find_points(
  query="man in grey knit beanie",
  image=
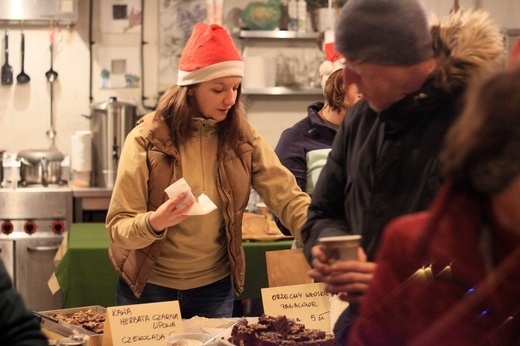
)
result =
(387, 32)
(388, 47)
(385, 156)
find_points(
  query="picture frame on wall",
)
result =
(120, 67)
(121, 16)
(176, 21)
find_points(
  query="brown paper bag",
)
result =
(287, 267)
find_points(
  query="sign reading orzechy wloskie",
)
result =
(308, 304)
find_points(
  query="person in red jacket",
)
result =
(450, 275)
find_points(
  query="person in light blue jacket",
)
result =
(303, 148)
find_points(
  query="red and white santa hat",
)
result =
(333, 60)
(209, 54)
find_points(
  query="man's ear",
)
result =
(190, 92)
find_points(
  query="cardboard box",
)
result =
(55, 331)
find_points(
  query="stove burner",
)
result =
(32, 229)
(35, 211)
(7, 227)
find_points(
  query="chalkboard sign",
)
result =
(142, 324)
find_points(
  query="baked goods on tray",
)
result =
(279, 330)
(87, 319)
(254, 224)
(258, 227)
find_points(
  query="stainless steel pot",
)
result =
(110, 123)
(40, 167)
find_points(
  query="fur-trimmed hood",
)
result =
(465, 45)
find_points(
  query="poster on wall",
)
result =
(119, 67)
(176, 21)
(121, 16)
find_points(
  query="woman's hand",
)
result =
(168, 214)
(349, 279)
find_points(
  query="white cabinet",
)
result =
(297, 59)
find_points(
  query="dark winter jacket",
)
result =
(360, 190)
(383, 165)
(307, 135)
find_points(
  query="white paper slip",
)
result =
(202, 207)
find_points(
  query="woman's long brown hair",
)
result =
(178, 111)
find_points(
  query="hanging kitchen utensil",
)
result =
(22, 77)
(51, 76)
(1, 167)
(7, 70)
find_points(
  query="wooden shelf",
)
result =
(282, 91)
(249, 36)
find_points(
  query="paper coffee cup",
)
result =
(341, 248)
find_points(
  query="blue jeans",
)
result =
(215, 300)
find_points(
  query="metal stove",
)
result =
(33, 221)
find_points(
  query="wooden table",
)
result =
(87, 277)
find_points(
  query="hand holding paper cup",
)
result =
(202, 206)
(341, 248)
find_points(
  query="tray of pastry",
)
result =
(88, 320)
(266, 237)
(273, 330)
(257, 227)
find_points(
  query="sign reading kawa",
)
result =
(142, 324)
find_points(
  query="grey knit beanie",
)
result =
(386, 32)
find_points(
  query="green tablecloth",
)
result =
(85, 274)
(87, 277)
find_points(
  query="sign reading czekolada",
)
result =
(142, 324)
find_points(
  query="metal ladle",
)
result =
(51, 74)
(51, 77)
(23, 77)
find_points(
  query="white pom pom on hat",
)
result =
(333, 61)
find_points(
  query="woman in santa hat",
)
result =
(198, 133)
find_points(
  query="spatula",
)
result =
(7, 70)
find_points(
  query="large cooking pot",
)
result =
(40, 166)
(110, 123)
